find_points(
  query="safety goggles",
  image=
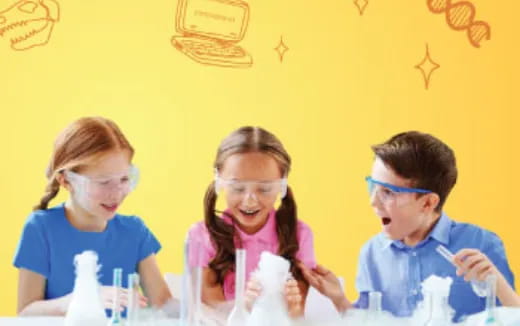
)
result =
(260, 190)
(387, 192)
(100, 187)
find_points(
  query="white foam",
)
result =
(86, 308)
(437, 285)
(270, 308)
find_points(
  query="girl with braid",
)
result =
(92, 161)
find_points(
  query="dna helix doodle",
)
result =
(460, 16)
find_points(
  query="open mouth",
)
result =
(386, 220)
(250, 212)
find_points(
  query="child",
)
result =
(412, 176)
(92, 161)
(251, 171)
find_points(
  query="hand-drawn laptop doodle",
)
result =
(210, 31)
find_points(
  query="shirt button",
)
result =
(414, 292)
(414, 253)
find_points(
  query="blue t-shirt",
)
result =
(397, 270)
(49, 243)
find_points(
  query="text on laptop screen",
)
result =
(215, 18)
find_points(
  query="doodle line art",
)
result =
(361, 6)
(427, 66)
(460, 16)
(281, 48)
(210, 31)
(29, 23)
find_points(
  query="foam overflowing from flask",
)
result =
(86, 308)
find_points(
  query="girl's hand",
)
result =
(107, 298)
(474, 265)
(294, 299)
(253, 291)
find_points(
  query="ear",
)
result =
(60, 177)
(431, 201)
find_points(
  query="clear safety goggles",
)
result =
(260, 190)
(100, 187)
(389, 193)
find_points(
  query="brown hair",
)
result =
(425, 160)
(223, 235)
(81, 141)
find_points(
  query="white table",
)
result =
(59, 321)
(31, 321)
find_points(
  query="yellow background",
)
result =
(347, 82)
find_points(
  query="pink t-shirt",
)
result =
(265, 239)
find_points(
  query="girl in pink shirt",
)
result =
(251, 170)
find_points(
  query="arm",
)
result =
(506, 294)
(31, 302)
(474, 264)
(327, 284)
(153, 282)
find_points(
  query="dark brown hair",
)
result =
(223, 235)
(425, 160)
(80, 142)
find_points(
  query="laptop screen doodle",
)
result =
(211, 17)
(210, 31)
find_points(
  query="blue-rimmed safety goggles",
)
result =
(372, 185)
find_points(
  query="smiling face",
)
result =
(29, 23)
(404, 216)
(102, 185)
(253, 174)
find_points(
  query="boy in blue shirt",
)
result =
(412, 176)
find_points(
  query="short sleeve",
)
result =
(32, 252)
(200, 250)
(495, 251)
(148, 244)
(305, 253)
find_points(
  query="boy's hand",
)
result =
(253, 291)
(294, 299)
(327, 284)
(474, 265)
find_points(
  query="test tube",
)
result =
(117, 284)
(444, 252)
(238, 316)
(132, 312)
(375, 302)
(191, 300)
(491, 301)
(478, 287)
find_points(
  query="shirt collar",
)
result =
(441, 233)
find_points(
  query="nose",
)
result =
(374, 199)
(118, 191)
(250, 198)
